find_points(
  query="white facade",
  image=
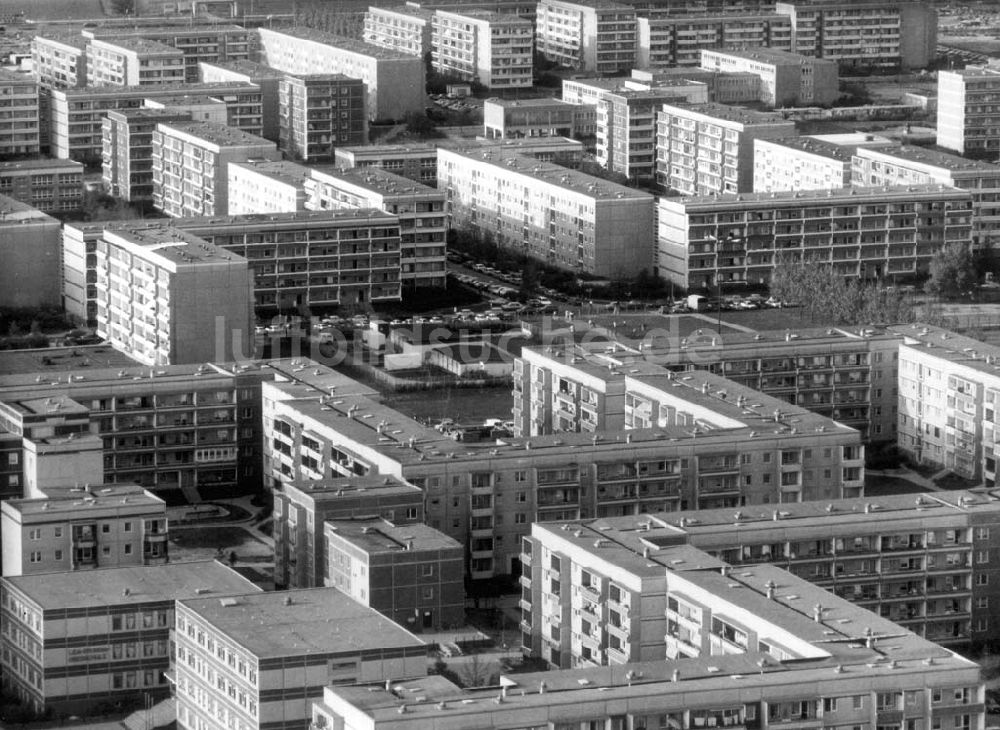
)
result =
(495, 50)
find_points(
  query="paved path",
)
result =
(910, 476)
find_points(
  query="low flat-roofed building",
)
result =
(275, 652)
(800, 163)
(411, 573)
(82, 528)
(786, 79)
(506, 118)
(29, 248)
(77, 643)
(301, 507)
(48, 185)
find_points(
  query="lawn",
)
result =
(464, 405)
(884, 486)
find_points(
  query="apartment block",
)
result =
(133, 62)
(966, 117)
(301, 508)
(406, 28)
(588, 93)
(75, 643)
(864, 33)
(352, 256)
(19, 113)
(669, 40)
(127, 150)
(587, 35)
(706, 149)
(411, 573)
(846, 375)
(626, 132)
(82, 528)
(167, 297)
(320, 112)
(394, 79)
(786, 79)
(711, 241)
(190, 165)
(29, 248)
(906, 165)
(259, 660)
(265, 77)
(78, 113)
(488, 494)
(493, 49)
(418, 161)
(180, 431)
(719, 87)
(423, 223)
(926, 562)
(45, 184)
(683, 693)
(59, 61)
(563, 217)
(603, 592)
(197, 42)
(267, 186)
(800, 163)
(947, 394)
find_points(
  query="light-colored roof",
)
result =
(376, 536)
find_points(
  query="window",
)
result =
(983, 602)
(521, 518)
(982, 556)
(982, 533)
(128, 549)
(106, 528)
(982, 579)
(36, 556)
(427, 594)
(59, 554)
(521, 497)
(58, 532)
(127, 527)
(35, 534)
(427, 570)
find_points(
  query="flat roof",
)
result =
(814, 146)
(218, 134)
(250, 68)
(563, 177)
(77, 501)
(133, 585)
(350, 488)
(526, 143)
(14, 212)
(490, 16)
(376, 536)
(46, 406)
(408, 9)
(933, 158)
(944, 344)
(140, 45)
(857, 139)
(379, 180)
(151, 114)
(76, 360)
(529, 103)
(175, 245)
(343, 43)
(300, 622)
(729, 113)
(771, 55)
(45, 164)
(837, 196)
(476, 352)
(156, 91)
(284, 171)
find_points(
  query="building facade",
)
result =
(127, 150)
(406, 29)
(563, 217)
(587, 35)
(864, 33)
(908, 165)
(48, 185)
(77, 113)
(20, 118)
(190, 165)
(133, 62)
(82, 642)
(394, 79)
(706, 149)
(266, 186)
(493, 49)
(420, 209)
(410, 573)
(669, 40)
(625, 127)
(251, 72)
(167, 297)
(320, 112)
(966, 122)
(301, 508)
(29, 248)
(706, 242)
(786, 79)
(800, 163)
